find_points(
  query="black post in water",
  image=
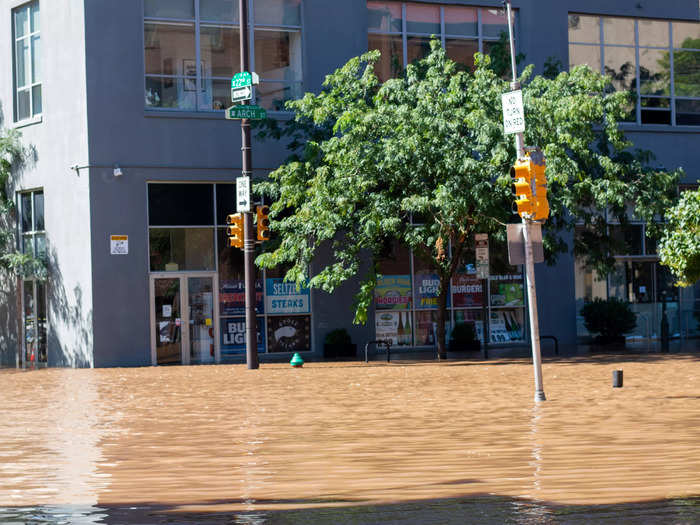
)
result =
(251, 340)
(617, 379)
(485, 317)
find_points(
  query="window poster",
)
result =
(467, 291)
(426, 328)
(507, 290)
(427, 285)
(393, 292)
(394, 327)
(284, 298)
(232, 297)
(233, 336)
(289, 334)
(506, 325)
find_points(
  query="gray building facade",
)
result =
(132, 162)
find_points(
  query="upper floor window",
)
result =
(27, 61)
(31, 213)
(402, 31)
(658, 61)
(179, 34)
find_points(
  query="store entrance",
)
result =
(34, 351)
(183, 318)
(647, 285)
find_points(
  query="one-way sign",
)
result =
(245, 93)
(242, 194)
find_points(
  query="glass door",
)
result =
(34, 323)
(200, 301)
(184, 319)
(166, 293)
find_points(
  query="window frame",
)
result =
(29, 6)
(32, 233)
(638, 48)
(198, 22)
(479, 37)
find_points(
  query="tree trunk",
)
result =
(442, 316)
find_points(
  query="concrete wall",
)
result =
(56, 142)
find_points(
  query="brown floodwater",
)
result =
(210, 440)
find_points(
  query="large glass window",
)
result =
(180, 34)
(402, 31)
(406, 299)
(187, 232)
(27, 61)
(31, 211)
(657, 60)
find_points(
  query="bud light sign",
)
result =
(233, 336)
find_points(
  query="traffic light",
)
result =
(235, 230)
(263, 223)
(541, 202)
(522, 173)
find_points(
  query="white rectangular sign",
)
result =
(481, 245)
(243, 194)
(513, 114)
(119, 244)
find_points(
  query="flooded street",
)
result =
(418, 442)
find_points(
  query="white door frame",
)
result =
(184, 313)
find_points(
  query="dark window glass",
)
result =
(180, 204)
(688, 112)
(26, 205)
(225, 202)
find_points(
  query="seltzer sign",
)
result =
(119, 244)
(243, 194)
(513, 114)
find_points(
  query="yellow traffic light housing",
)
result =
(541, 211)
(522, 173)
(263, 223)
(235, 230)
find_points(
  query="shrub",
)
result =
(339, 336)
(609, 317)
(463, 335)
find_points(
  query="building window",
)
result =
(32, 238)
(658, 61)
(406, 299)
(402, 31)
(27, 61)
(179, 35)
(187, 233)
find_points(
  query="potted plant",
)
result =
(339, 344)
(463, 338)
(610, 319)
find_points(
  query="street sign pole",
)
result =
(251, 340)
(527, 225)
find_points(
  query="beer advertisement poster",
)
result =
(393, 292)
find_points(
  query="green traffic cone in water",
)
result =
(297, 361)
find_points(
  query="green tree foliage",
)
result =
(679, 248)
(369, 156)
(11, 154)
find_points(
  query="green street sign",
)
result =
(241, 80)
(249, 112)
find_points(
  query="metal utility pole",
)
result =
(251, 339)
(527, 225)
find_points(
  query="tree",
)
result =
(11, 156)
(369, 156)
(679, 248)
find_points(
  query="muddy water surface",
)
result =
(218, 439)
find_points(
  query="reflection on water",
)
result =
(353, 443)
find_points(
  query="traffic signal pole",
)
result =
(249, 235)
(529, 255)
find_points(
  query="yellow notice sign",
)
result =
(119, 244)
(207, 321)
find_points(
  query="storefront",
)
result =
(406, 300)
(197, 300)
